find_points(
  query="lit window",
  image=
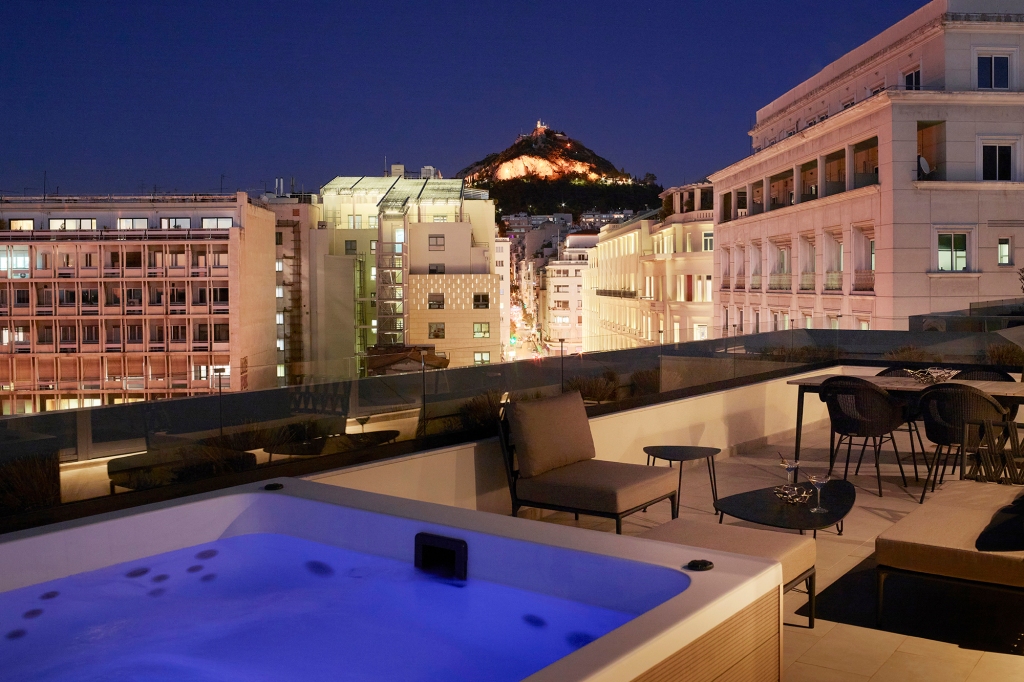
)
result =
(279, 291)
(133, 223)
(709, 241)
(280, 371)
(952, 252)
(482, 358)
(440, 219)
(22, 225)
(993, 72)
(1004, 251)
(280, 344)
(435, 242)
(435, 330)
(373, 246)
(373, 272)
(371, 222)
(482, 330)
(279, 266)
(279, 318)
(216, 223)
(72, 224)
(373, 323)
(175, 223)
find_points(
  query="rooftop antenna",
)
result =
(293, 184)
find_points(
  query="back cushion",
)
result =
(550, 433)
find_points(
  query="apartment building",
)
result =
(890, 184)
(596, 219)
(561, 294)
(434, 269)
(613, 315)
(503, 267)
(106, 300)
(317, 293)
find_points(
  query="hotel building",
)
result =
(889, 184)
(434, 268)
(107, 300)
(561, 294)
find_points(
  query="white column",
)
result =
(821, 176)
(797, 188)
(849, 168)
(766, 183)
(750, 198)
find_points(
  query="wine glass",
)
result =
(791, 468)
(818, 481)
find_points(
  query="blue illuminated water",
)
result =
(274, 607)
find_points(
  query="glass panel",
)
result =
(1001, 75)
(984, 72)
(989, 162)
(1005, 165)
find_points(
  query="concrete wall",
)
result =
(472, 475)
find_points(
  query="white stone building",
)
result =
(561, 294)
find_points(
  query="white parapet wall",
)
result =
(472, 476)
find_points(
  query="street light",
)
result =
(219, 373)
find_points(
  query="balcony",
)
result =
(755, 282)
(780, 281)
(833, 280)
(739, 283)
(807, 281)
(737, 398)
(617, 293)
(864, 280)
(726, 283)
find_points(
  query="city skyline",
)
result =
(195, 99)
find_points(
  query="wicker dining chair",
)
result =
(858, 408)
(984, 374)
(946, 408)
(911, 415)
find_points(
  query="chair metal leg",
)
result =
(878, 469)
(913, 451)
(856, 472)
(578, 516)
(892, 437)
(674, 500)
(880, 576)
(713, 475)
(618, 525)
(929, 469)
(849, 447)
(831, 451)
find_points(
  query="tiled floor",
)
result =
(832, 651)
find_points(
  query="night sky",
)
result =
(124, 96)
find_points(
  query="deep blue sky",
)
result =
(117, 96)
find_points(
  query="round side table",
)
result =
(685, 453)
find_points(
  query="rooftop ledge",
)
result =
(968, 185)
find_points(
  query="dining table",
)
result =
(1007, 392)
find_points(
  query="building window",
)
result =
(993, 72)
(481, 301)
(278, 239)
(435, 242)
(912, 80)
(709, 241)
(216, 223)
(134, 333)
(440, 219)
(435, 269)
(482, 358)
(373, 246)
(279, 318)
(355, 222)
(1004, 251)
(435, 330)
(373, 273)
(175, 223)
(350, 247)
(848, 103)
(133, 223)
(178, 333)
(221, 333)
(72, 224)
(280, 344)
(952, 251)
(371, 222)
(23, 225)
(499, 263)
(482, 330)
(435, 301)
(280, 371)
(997, 162)
(279, 292)
(279, 266)
(700, 332)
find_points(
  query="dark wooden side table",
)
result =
(763, 506)
(685, 453)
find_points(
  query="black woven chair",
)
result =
(858, 408)
(982, 374)
(911, 415)
(946, 408)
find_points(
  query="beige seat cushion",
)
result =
(550, 433)
(795, 552)
(939, 536)
(599, 485)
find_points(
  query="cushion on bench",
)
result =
(599, 485)
(940, 536)
(796, 553)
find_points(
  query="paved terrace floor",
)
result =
(831, 651)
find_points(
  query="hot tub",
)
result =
(310, 581)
